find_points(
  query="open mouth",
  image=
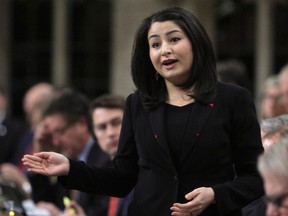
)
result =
(169, 62)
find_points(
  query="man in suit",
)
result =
(275, 180)
(59, 127)
(66, 127)
(107, 114)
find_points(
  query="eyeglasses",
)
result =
(60, 131)
(277, 200)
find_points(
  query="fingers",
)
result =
(42, 155)
(198, 200)
(189, 208)
(32, 162)
(28, 157)
(180, 209)
(205, 195)
(32, 167)
(192, 194)
(37, 157)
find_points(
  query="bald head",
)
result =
(36, 98)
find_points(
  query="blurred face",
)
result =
(35, 95)
(170, 51)
(69, 138)
(271, 105)
(107, 126)
(277, 195)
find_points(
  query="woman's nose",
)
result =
(166, 49)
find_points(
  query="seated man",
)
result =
(258, 207)
(107, 113)
(66, 126)
(273, 166)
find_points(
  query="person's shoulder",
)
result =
(257, 207)
(231, 89)
(134, 103)
(233, 94)
(134, 95)
(134, 98)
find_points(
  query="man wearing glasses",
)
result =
(66, 127)
(273, 166)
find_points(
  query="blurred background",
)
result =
(86, 44)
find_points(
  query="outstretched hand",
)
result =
(47, 163)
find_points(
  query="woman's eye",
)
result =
(155, 45)
(175, 39)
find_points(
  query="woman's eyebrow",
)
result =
(156, 35)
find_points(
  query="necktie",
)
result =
(113, 204)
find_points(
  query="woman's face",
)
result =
(170, 51)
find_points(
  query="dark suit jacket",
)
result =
(47, 189)
(95, 205)
(220, 151)
(256, 208)
(10, 134)
(124, 204)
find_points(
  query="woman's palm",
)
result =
(47, 163)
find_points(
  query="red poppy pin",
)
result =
(211, 104)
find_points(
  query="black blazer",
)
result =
(256, 208)
(220, 151)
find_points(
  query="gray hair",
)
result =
(275, 160)
(271, 124)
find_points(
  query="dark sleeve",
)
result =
(117, 180)
(246, 146)
(256, 208)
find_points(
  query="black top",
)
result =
(177, 119)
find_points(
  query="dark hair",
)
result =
(109, 101)
(203, 72)
(72, 105)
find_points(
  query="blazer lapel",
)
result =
(157, 122)
(198, 118)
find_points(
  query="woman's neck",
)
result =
(178, 97)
